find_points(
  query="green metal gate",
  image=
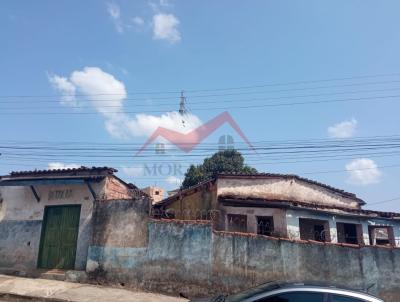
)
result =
(59, 237)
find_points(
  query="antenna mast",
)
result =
(182, 104)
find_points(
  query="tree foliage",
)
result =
(222, 161)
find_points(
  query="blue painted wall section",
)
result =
(191, 258)
(19, 243)
(177, 255)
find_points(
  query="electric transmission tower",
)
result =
(182, 104)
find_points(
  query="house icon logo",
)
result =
(187, 142)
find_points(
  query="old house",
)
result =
(46, 216)
(285, 206)
(156, 193)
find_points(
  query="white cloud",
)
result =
(138, 21)
(122, 126)
(66, 88)
(59, 165)
(104, 90)
(157, 5)
(363, 171)
(114, 10)
(164, 25)
(133, 171)
(101, 88)
(173, 180)
(145, 124)
(165, 28)
(165, 3)
(115, 13)
(345, 129)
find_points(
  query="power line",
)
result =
(87, 96)
(375, 98)
(270, 146)
(221, 89)
(362, 139)
(390, 146)
(113, 160)
(22, 151)
(298, 82)
(394, 143)
(348, 170)
(57, 102)
(383, 201)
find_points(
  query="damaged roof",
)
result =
(196, 187)
(185, 192)
(288, 176)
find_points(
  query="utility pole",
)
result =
(182, 104)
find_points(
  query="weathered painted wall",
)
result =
(177, 258)
(21, 222)
(190, 258)
(293, 228)
(19, 243)
(120, 223)
(21, 217)
(195, 206)
(246, 261)
(282, 189)
(279, 217)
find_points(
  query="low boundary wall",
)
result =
(189, 257)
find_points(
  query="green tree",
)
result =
(223, 161)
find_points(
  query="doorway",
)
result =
(59, 237)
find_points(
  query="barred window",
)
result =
(237, 223)
(265, 225)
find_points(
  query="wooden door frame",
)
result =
(42, 231)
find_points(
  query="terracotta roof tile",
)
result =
(107, 170)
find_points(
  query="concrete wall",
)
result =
(21, 222)
(120, 223)
(283, 189)
(293, 228)
(195, 205)
(190, 258)
(21, 217)
(279, 216)
(286, 222)
(19, 244)
(176, 259)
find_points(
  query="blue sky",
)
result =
(67, 54)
